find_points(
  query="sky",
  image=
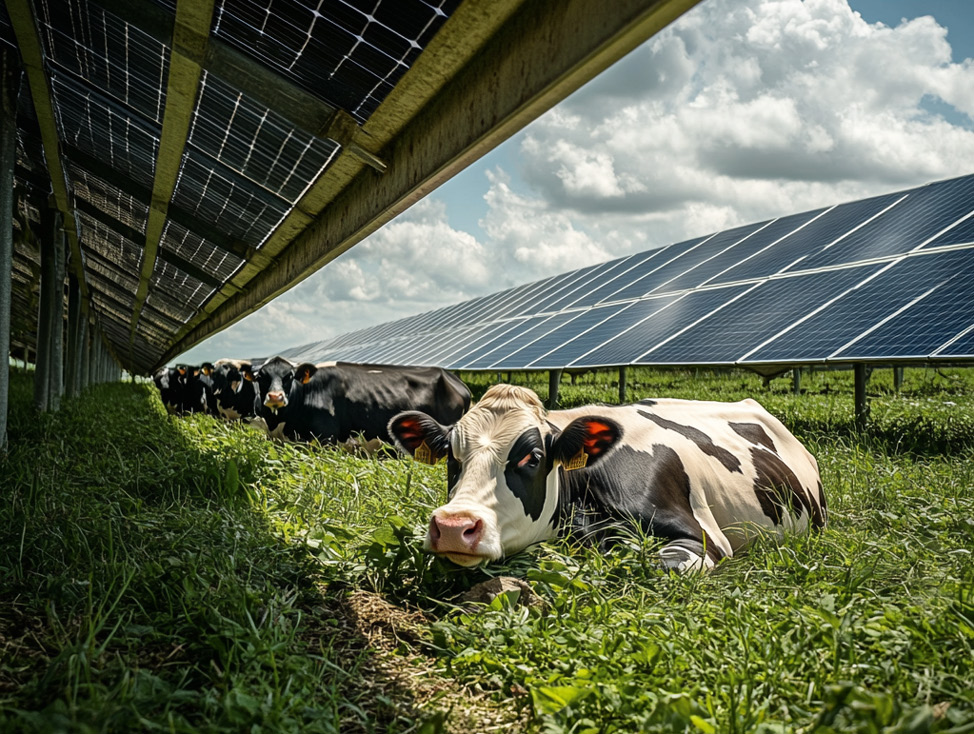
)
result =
(740, 111)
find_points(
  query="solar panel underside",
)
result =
(886, 278)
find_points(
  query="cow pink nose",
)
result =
(274, 398)
(455, 533)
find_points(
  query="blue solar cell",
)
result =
(454, 339)
(644, 277)
(634, 266)
(895, 286)
(639, 328)
(528, 331)
(921, 215)
(429, 348)
(742, 249)
(961, 347)
(536, 354)
(665, 276)
(488, 339)
(961, 234)
(595, 278)
(805, 242)
(943, 310)
(758, 315)
(537, 301)
(505, 301)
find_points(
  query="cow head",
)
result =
(274, 380)
(503, 471)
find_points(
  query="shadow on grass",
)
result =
(144, 587)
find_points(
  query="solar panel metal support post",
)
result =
(72, 363)
(796, 380)
(622, 385)
(55, 375)
(86, 333)
(862, 404)
(898, 378)
(554, 380)
(9, 76)
(48, 308)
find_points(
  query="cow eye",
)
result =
(530, 461)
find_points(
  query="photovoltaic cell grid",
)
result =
(352, 57)
(245, 167)
(887, 278)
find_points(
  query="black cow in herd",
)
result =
(182, 388)
(705, 477)
(335, 402)
(330, 403)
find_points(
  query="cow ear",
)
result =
(248, 373)
(207, 369)
(303, 372)
(420, 436)
(584, 441)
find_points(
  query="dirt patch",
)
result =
(393, 679)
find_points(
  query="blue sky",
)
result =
(740, 111)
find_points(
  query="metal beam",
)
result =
(540, 53)
(861, 377)
(188, 43)
(9, 83)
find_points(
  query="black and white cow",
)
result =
(705, 477)
(333, 403)
(165, 381)
(181, 389)
(232, 384)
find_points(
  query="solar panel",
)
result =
(495, 352)
(932, 318)
(352, 56)
(644, 277)
(920, 215)
(760, 314)
(884, 278)
(742, 249)
(680, 267)
(852, 313)
(790, 252)
(633, 266)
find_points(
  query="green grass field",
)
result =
(187, 575)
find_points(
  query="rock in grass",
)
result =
(518, 591)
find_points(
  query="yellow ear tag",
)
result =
(424, 454)
(578, 461)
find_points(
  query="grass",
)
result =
(183, 574)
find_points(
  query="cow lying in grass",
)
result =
(705, 477)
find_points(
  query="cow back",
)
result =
(687, 468)
(345, 400)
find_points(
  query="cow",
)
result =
(335, 402)
(165, 381)
(232, 383)
(704, 477)
(181, 389)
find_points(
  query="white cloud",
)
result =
(740, 111)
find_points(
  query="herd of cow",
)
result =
(705, 477)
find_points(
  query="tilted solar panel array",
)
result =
(245, 167)
(888, 278)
